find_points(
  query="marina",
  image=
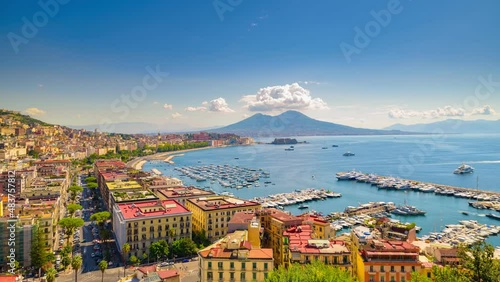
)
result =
(298, 197)
(467, 232)
(226, 175)
(393, 183)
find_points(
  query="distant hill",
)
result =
(452, 126)
(24, 119)
(293, 123)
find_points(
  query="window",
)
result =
(209, 265)
(242, 276)
(210, 275)
(371, 268)
(265, 266)
(403, 279)
(382, 278)
(220, 264)
(392, 269)
(265, 275)
(382, 269)
(254, 275)
(402, 269)
(413, 268)
(243, 265)
(221, 275)
(392, 279)
(254, 266)
(231, 275)
(372, 278)
(231, 265)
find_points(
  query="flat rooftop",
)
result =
(183, 192)
(221, 203)
(116, 185)
(300, 240)
(148, 209)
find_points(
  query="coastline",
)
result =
(139, 162)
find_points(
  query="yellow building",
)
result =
(235, 259)
(275, 222)
(301, 246)
(212, 214)
(141, 223)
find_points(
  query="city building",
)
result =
(120, 187)
(212, 214)
(181, 194)
(300, 245)
(142, 223)
(161, 182)
(235, 258)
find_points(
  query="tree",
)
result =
(72, 208)
(200, 238)
(314, 272)
(74, 190)
(478, 260)
(158, 249)
(90, 179)
(92, 185)
(38, 252)
(70, 225)
(101, 217)
(133, 260)
(184, 247)
(103, 265)
(50, 275)
(125, 251)
(65, 261)
(145, 257)
(448, 274)
(76, 263)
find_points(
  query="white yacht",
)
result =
(463, 169)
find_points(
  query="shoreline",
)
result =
(139, 162)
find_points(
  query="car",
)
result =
(92, 255)
(165, 263)
(110, 263)
(186, 260)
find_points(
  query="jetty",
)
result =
(295, 198)
(393, 183)
(467, 232)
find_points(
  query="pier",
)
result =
(392, 183)
(296, 197)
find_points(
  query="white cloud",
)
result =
(176, 115)
(446, 111)
(219, 105)
(34, 111)
(484, 110)
(283, 97)
(307, 82)
(167, 107)
(195, 109)
(216, 105)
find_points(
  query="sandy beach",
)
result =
(137, 163)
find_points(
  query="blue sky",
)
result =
(229, 59)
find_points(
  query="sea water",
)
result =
(426, 158)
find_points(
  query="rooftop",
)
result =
(132, 184)
(300, 239)
(181, 192)
(124, 196)
(221, 202)
(281, 215)
(151, 209)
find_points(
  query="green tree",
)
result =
(158, 249)
(314, 272)
(74, 190)
(448, 274)
(50, 275)
(125, 251)
(200, 238)
(70, 225)
(92, 185)
(184, 247)
(76, 263)
(72, 208)
(145, 257)
(39, 254)
(101, 217)
(477, 259)
(103, 265)
(90, 179)
(65, 261)
(133, 260)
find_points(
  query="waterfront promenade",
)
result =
(138, 162)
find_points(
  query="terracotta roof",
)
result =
(165, 274)
(147, 269)
(143, 210)
(221, 203)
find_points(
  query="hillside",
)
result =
(452, 126)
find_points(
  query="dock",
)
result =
(393, 183)
(295, 198)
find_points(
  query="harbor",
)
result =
(466, 232)
(298, 197)
(398, 184)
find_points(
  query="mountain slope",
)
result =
(452, 126)
(293, 123)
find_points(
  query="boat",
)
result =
(408, 210)
(348, 154)
(289, 149)
(465, 213)
(324, 148)
(236, 158)
(335, 146)
(494, 216)
(303, 207)
(464, 169)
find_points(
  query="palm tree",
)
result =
(50, 275)
(125, 250)
(103, 265)
(76, 263)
